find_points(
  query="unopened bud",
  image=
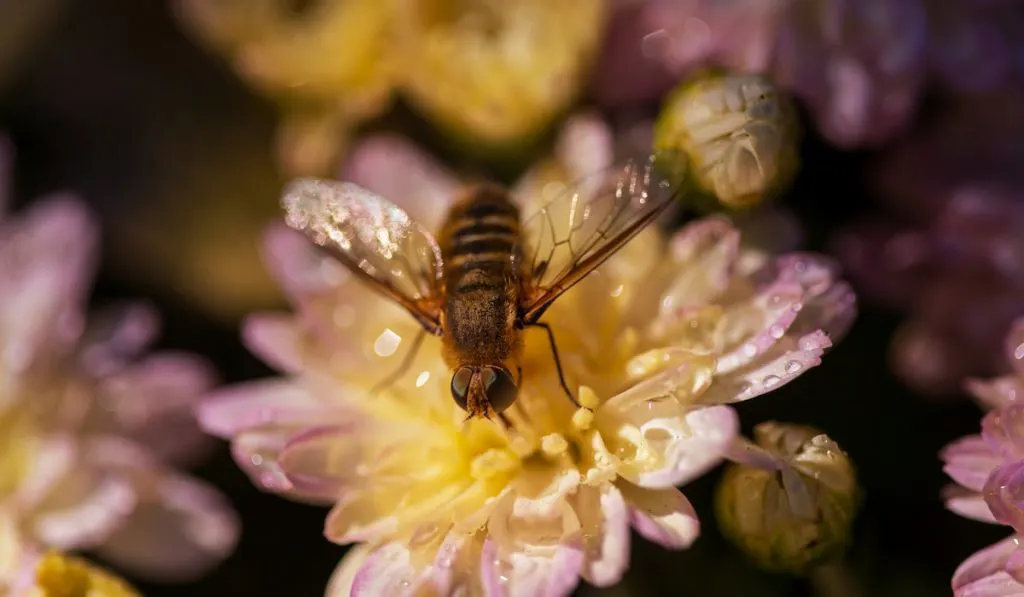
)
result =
(739, 132)
(791, 505)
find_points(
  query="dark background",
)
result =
(116, 104)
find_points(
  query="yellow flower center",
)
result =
(64, 576)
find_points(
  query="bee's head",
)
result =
(482, 390)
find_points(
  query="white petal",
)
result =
(552, 572)
(683, 448)
(605, 525)
(663, 516)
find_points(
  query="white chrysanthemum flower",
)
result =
(659, 342)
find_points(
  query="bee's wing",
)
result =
(374, 238)
(578, 230)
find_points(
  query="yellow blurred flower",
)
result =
(493, 73)
(27, 572)
(740, 133)
(330, 65)
(498, 71)
(789, 500)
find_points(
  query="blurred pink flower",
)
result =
(859, 65)
(950, 250)
(89, 425)
(989, 473)
(661, 341)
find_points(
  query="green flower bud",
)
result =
(739, 132)
(790, 501)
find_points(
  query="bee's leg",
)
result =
(558, 362)
(404, 365)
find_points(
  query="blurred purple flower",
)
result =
(859, 65)
(989, 473)
(89, 425)
(951, 249)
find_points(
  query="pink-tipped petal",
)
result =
(115, 335)
(256, 453)
(998, 392)
(967, 503)
(344, 575)
(1004, 494)
(549, 572)
(770, 314)
(1003, 430)
(769, 374)
(274, 338)
(152, 401)
(319, 461)
(706, 253)
(969, 461)
(180, 529)
(400, 569)
(269, 403)
(829, 303)
(302, 270)
(984, 573)
(604, 518)
(48, 262)
(663, 516)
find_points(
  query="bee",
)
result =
(489, 274)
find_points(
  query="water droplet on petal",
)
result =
(793, 366)
(1018, 353)
(770, 381)
(750, 349)
(777, 331)
(387, 343)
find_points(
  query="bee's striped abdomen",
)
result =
(479, 242)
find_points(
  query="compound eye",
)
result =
(460, 386)
(499, 387)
